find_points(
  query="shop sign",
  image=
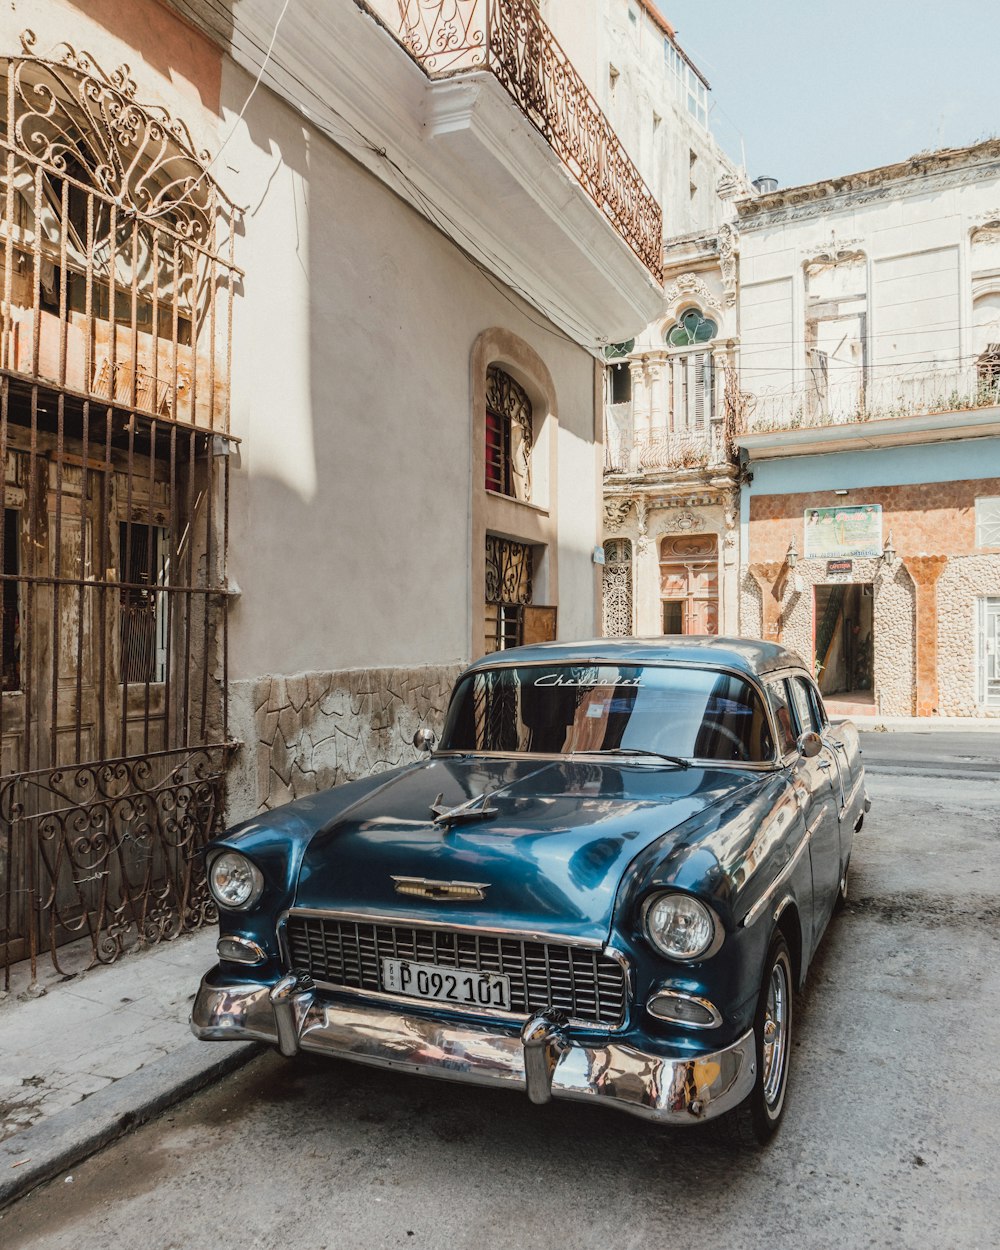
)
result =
(839, 566)
(853, 531)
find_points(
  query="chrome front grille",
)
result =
(587, 984)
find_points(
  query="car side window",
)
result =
(819, 711)
(804, 710)
(777, 696)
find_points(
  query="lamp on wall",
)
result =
(889, 551)
(792, 554)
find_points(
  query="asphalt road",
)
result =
(890, 1140)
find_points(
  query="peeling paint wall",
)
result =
(306, 733)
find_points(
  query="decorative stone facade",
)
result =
(792, 619)
(924, 610)
(963, 582)
(305, 733)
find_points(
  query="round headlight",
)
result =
(679, 926)
(235, 882)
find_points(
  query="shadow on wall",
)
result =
(175, 49)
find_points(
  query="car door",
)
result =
(817, 780)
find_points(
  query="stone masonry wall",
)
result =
(307, 732)
(894, 613)
(962, 583)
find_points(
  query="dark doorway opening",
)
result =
(843, 634)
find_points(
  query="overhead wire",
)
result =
(434, 211)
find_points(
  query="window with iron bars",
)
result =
(10, 638)
(508, 436)
(508, 592)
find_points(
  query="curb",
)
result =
(68, 1137)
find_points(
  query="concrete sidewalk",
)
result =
(93, 1055)
(924, 724)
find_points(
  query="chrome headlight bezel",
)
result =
(244, 862)
(707, 915)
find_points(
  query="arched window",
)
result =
(690, 372)
(618, 588)
(691, 328)
(508, 436)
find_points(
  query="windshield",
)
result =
(560, 709)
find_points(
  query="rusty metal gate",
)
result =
(118, 279)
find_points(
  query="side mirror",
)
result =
(424, 739)
(809, 744)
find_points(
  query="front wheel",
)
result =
(755, 1120)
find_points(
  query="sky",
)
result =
(819, 89)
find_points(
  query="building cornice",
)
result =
(934, 171)
(935, 427)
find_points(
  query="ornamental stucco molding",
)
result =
(871, 187)
(729, 246)
(686, 286)
(683, 522)
(834, 251)
(616, 512)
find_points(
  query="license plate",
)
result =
(447, 985)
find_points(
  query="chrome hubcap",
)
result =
(775, 1034)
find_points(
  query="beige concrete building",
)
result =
(854, 338)
(671, 512)
(870, 349)
(300, 410)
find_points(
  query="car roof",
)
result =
(747, 655)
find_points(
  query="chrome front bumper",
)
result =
(543, 1059)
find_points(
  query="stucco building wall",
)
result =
(934, 536)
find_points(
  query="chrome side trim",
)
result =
(778, 882)
(674, 1089)
(524, 935)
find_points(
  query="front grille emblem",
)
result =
(449, 891)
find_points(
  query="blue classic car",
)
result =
(604, 884)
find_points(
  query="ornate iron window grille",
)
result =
(116, 253)
(618, 618)
(508, 436)
(508, 591)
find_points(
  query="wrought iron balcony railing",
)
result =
(660, 451)
(509, 39)
(863, 397)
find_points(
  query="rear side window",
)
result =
(777, 696)
(804, 709)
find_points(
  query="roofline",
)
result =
(920, 165)
(657, 18)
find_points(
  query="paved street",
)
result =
(890, 1139)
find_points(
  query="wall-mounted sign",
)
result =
(853, 531)
(839, 566)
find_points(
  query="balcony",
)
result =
(508, 39)
(925, 406)
(659, 452)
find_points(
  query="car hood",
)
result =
(552, 856)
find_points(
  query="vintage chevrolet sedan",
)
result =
(604, 884)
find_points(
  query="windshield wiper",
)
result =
(636, 751)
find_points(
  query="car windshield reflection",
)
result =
(690, 713)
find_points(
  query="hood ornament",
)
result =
(448, 891)
(475, 809)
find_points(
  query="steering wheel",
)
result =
(742, 753)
